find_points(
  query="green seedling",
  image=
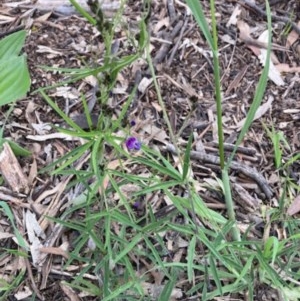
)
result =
(279, 144)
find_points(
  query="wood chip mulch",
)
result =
(184, 71)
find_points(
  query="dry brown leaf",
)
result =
(33, 172)
(154, 290)
(292, 37)
(55, 251)
(43, 17)
(259, 48)
(46, 49)
(234, 84)
(288, 69)
(144, 84)
(156, 133)
(73, 296)
(295, 206)
(274, 74)
(5, 235)
(12, 171)
(32, 226)
(259, 113)
(23, 293)
(165, 22)
(234, 16)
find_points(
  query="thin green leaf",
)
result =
(128, 248)
(18, 235)
(187, 157)
(260, 89)
(17, 149)
(55, 107)
(166, 293)
(214, 273)
(83, 12)
(114, 294)
(190, 259)
(197, 10)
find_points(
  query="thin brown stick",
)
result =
(239, 167)
(258, 10)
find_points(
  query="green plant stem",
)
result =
(225, 176)
(217, 84)
(160, 100)
(230, 204)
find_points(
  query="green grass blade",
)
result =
(166, 293)
(260, 90)
(214, 273)
(83, 12)
(197, 10)
(187, 157)
(18, 235)
(190, 258)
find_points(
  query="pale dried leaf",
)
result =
(70, 293)
(46, 49)
(5, 235)
(234, 16)
(294, 208)
(12, 171)
(154, 290)
(259, 113)
(52, 136)
(144, 84)
(288, 69)
(156, 133)
(244, 30)
(274, 74)
(292, 37)
(33, 227)
(66, 8)
(23, 293)
(67, 93)
(165, 22)
(36, 255)
(43, 17)
(41, 128)
(33, 172)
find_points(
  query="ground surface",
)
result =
(184, 69)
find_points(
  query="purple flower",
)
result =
(137, 205)
(133, 143)
(132, 123)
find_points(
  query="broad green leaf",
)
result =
(12, 44)
(14, 79)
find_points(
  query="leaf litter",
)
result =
(184, 69)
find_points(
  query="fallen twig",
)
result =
(239, 167)
(258, 10)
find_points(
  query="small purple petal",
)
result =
(136, 205)
(132, 143)
(132, 123)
